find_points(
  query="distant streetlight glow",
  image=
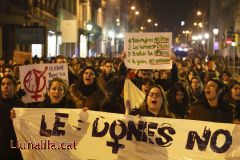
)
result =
(149, 20)
(111, 34)
(206, 35)
(137, 12)
(117, 20)
(133, 8)
(182, 23)
(215, 31)
(195, 24)
(200, 37)
(141, 27)
(89, 26)
(155, 24)
(119, 35)
(194, 38)
(199, 13)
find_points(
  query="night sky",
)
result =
(170, 13)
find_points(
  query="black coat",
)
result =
(202, 111)
(7, 132)
(63, 104)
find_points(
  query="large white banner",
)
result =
(35, 79)
(148, 50)
(72, 134)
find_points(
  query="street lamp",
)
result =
(215, 43)
(133, 7)
(149, 20)
(89, 29)
(137, 12)
(199, 13)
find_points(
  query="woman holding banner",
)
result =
(154, 105)
(57, 96)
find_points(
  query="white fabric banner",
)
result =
(35, 79)
(133, 96)
(148, 50)
(72, 134)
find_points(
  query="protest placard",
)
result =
(20, 56)
(148, 50)
(35, 78)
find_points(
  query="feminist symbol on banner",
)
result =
(35, 88)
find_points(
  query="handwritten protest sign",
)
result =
(35, 79)
(148, 50)
(74, 134)
(20, 57)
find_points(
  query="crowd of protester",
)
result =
(193, 89)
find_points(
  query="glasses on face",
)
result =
(152, 94)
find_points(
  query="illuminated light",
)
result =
(200, 24)
(118, 24)
(215, 31)
(141, 27)
(184, 58)
(119, 35)
(111, 34)
(51, 32)
(183, 32)
(195, 38)
(37, 50)
(193, 42)
(233, 43)
(155, 24)
(195, 24)
(199, 13)
(89, 27)
(149, 20)
(206, 35)
(117, 20)
(228, 41)
(200, 37)
(187, 32)
(133, 8)
(137, 12)
(182, 23)
(203, 42)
